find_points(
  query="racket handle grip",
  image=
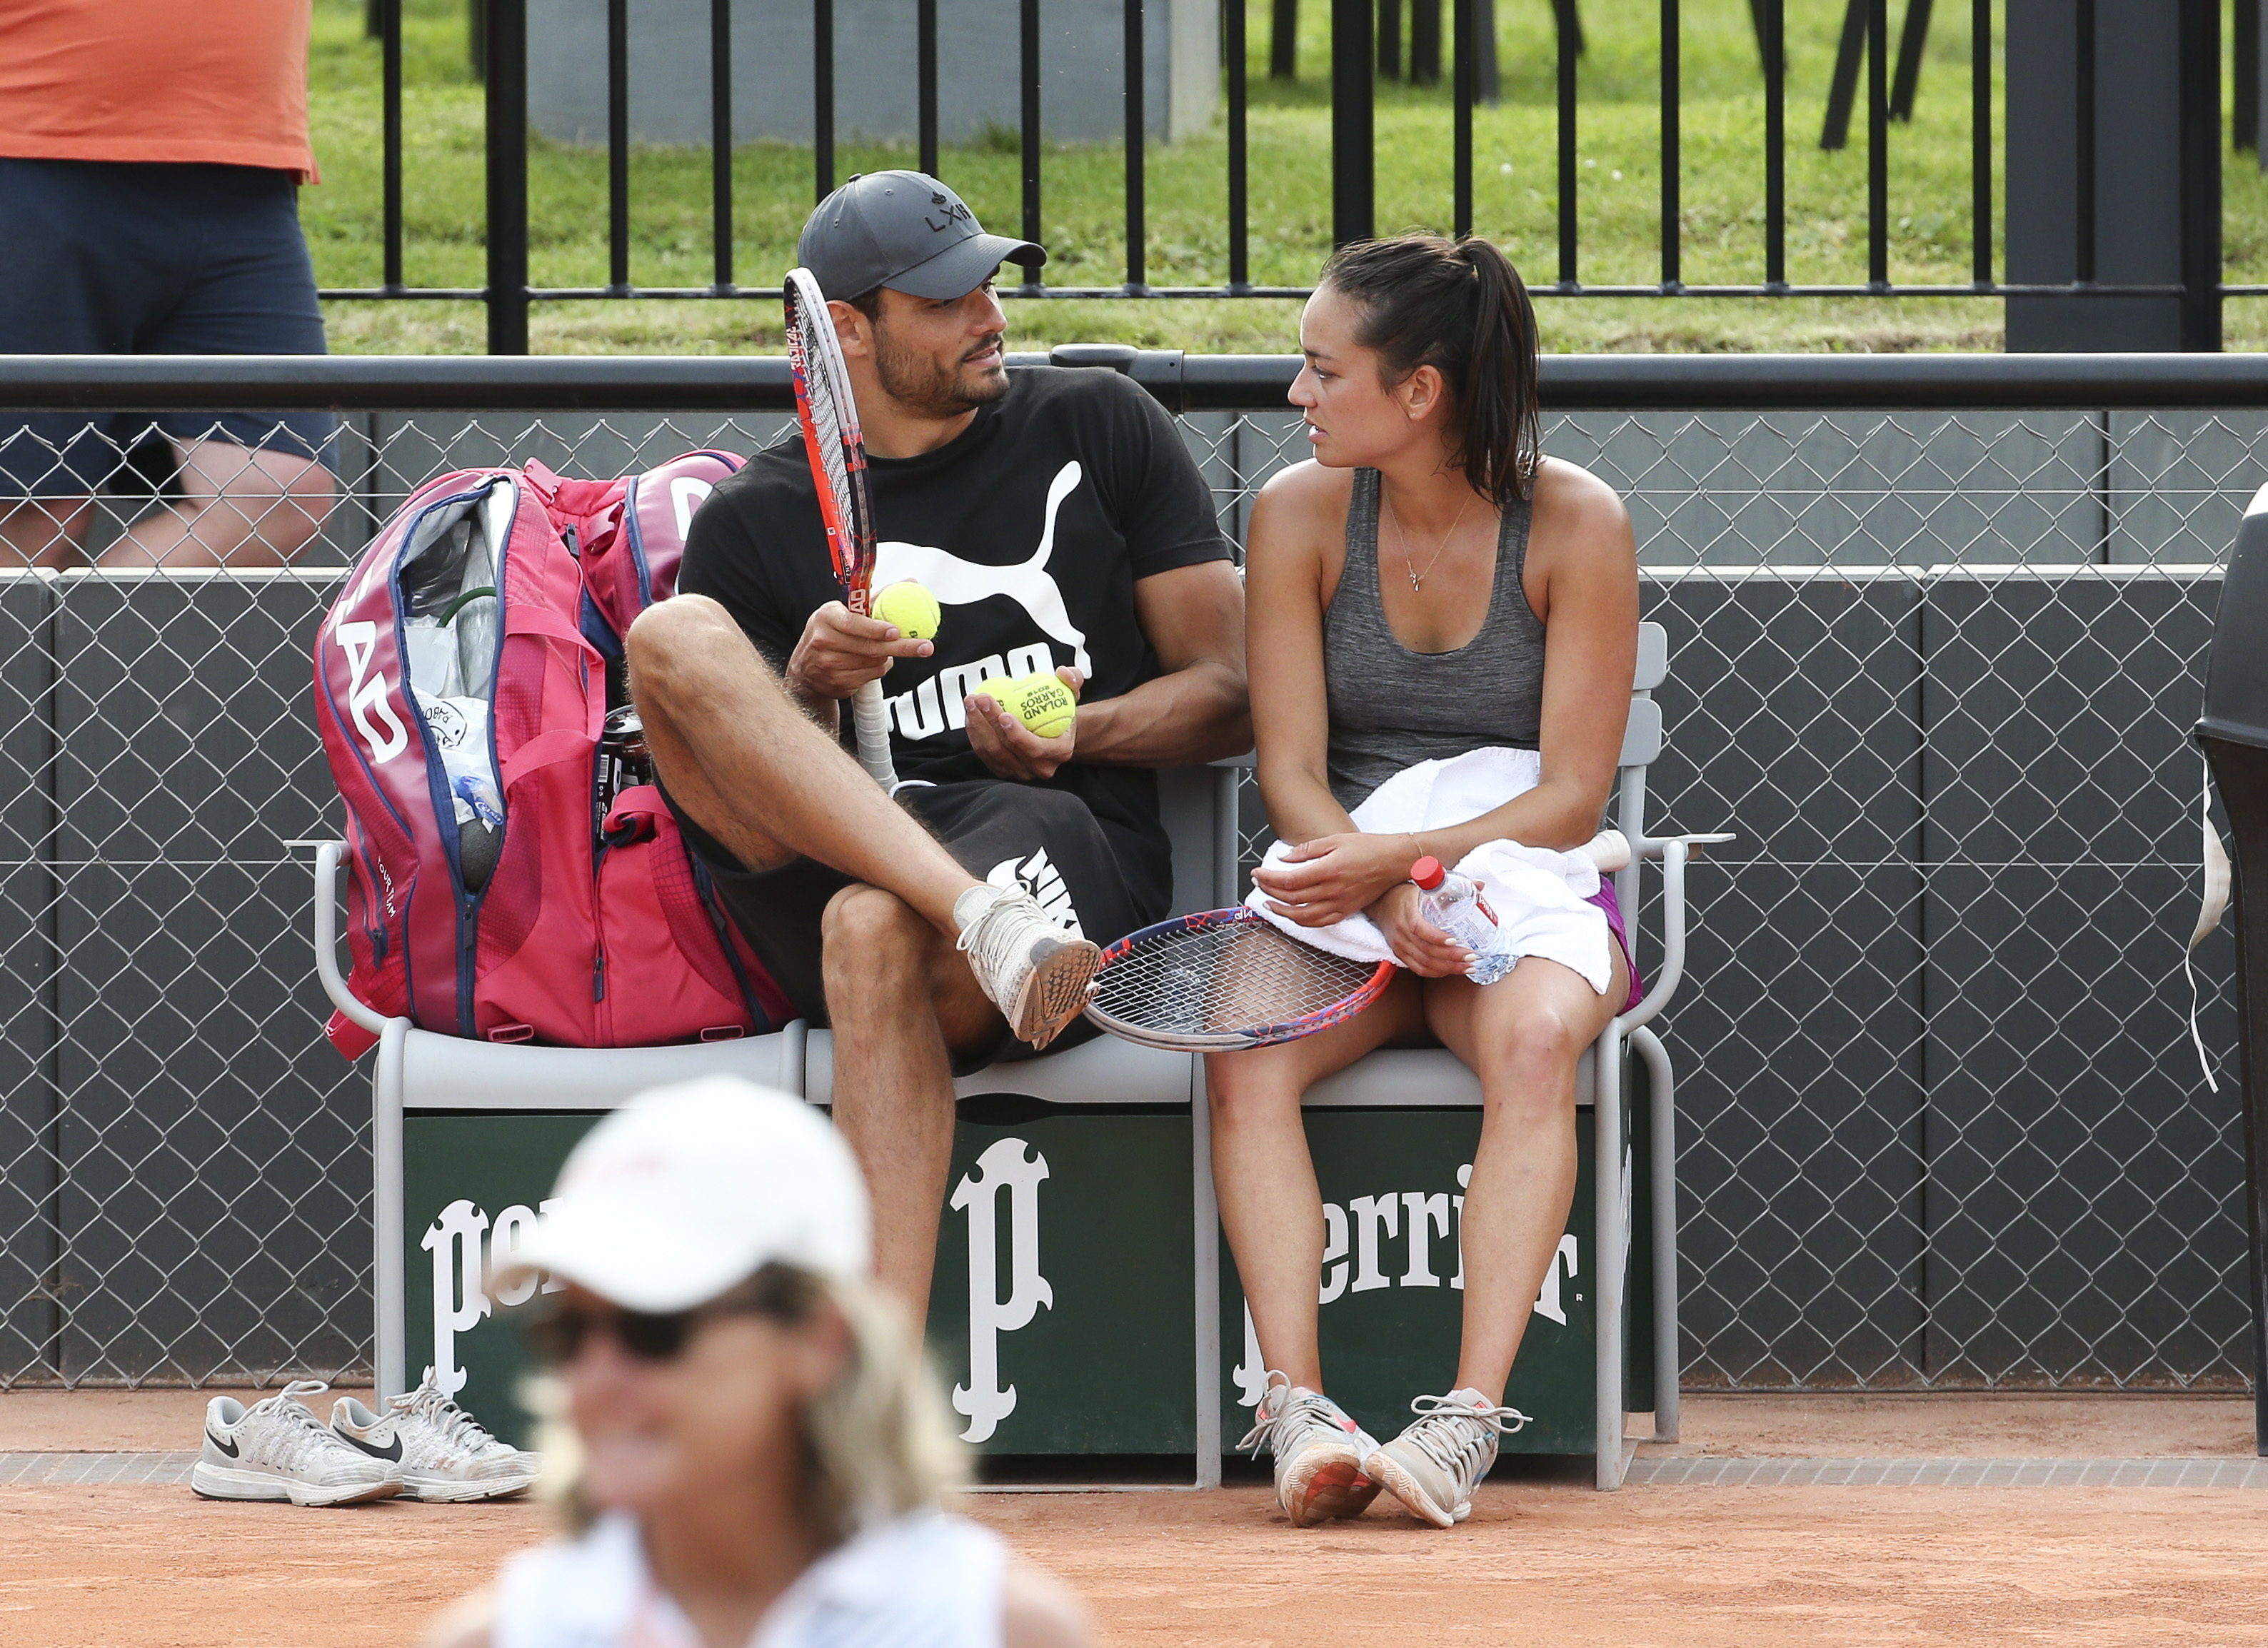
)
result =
(872, 723)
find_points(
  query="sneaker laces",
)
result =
(457, 1428)
(302, 1432)
(1294, 1411)
(1456, 1436)
(1264, 1419)
(991, 941)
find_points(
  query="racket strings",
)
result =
(1234, 977)
(830, 418)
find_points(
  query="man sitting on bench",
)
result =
(1058, 519)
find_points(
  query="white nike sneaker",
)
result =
(1435, 1464)
(446, 1455)
(1038, 976)
(277, 1449)
(1318, 1450)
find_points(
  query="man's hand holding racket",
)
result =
(840, 652)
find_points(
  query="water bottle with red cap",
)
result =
(1454, 904)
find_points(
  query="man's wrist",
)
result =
(800, 684)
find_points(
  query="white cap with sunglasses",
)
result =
(689, 1190)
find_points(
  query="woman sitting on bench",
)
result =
(1429, 586)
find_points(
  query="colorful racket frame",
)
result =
(1351, 989)
(828, 413)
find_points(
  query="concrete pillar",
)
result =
(2157, 173)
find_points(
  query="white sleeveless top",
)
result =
(924, 1580)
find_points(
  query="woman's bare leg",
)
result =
(1265, 1179)
(1523, 1036)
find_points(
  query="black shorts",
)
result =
(101, 257)
(1003, 831)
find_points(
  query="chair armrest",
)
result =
(1673, 851)
(1652, 846)
(327, 941)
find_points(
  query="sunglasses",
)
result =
(559, 1337)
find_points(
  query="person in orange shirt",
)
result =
(150, 155)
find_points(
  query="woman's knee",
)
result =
(1537, 1046)
(1254, 1085)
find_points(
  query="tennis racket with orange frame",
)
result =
(828, 412)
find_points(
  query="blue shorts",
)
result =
(101, 257)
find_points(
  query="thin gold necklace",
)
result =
(1416, 578)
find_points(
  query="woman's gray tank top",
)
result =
(1391, 708)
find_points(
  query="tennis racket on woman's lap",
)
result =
(1227, 979)
(830, 415)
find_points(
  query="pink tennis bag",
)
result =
(515, 874)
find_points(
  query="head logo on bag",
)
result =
(504, 885)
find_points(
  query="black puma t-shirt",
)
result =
(1031, 527)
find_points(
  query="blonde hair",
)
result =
(875, 1444)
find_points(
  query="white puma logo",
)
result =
(958, 583)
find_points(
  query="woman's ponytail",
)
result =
(1459, 307)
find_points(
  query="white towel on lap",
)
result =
(1542, 899)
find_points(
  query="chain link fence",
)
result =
(1941, 1125)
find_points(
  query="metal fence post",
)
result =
(1354, 211)
(507, 179)
(2200, 173)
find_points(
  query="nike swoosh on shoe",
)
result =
(392, 1454)
(228, 1448)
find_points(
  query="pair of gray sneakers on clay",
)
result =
(421, 1446)
(1326, 1466)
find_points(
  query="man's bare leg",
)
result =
(246, 506)
(902, 1002)
(760, 775)
(44, 532)
(740, 756)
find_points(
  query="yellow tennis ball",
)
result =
(912, 608)
(1040, 701)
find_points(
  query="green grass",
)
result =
(1721, 209)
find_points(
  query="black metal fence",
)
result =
(1359, 46)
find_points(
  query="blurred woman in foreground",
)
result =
(754, 1455)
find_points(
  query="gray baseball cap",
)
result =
(906, 231)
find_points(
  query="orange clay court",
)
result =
(1543, 1559)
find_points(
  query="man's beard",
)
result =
(919, 384)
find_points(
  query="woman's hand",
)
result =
(1418, 944)
(1333, 877)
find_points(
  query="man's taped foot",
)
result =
(1035, 974)
(1318, 1450)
